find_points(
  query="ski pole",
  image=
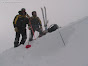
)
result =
(62, 38)
(32, 29)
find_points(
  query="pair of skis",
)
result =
(44, 17)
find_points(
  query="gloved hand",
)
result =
(27, 15)
(16, 29)
(29, 27)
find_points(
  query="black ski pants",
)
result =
(24, 37)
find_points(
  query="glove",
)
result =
(16, 29)
(29, 27)
(27, 15)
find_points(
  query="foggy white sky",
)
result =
(61, 12)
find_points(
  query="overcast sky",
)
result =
(61, 12)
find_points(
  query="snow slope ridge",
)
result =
(49, 50)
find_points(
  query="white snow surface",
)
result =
(49, 50)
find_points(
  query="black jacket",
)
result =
(20, 21)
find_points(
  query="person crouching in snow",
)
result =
(35, 25)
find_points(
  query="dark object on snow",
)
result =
(52, 27)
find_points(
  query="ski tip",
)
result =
(28, 46)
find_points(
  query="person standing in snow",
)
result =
(36, 24)
(19, 23)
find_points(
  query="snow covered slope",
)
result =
(49, 50)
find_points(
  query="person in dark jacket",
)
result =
(35, 25)
(19, 23)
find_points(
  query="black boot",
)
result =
(16, 44)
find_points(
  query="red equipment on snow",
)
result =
(28, 46)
